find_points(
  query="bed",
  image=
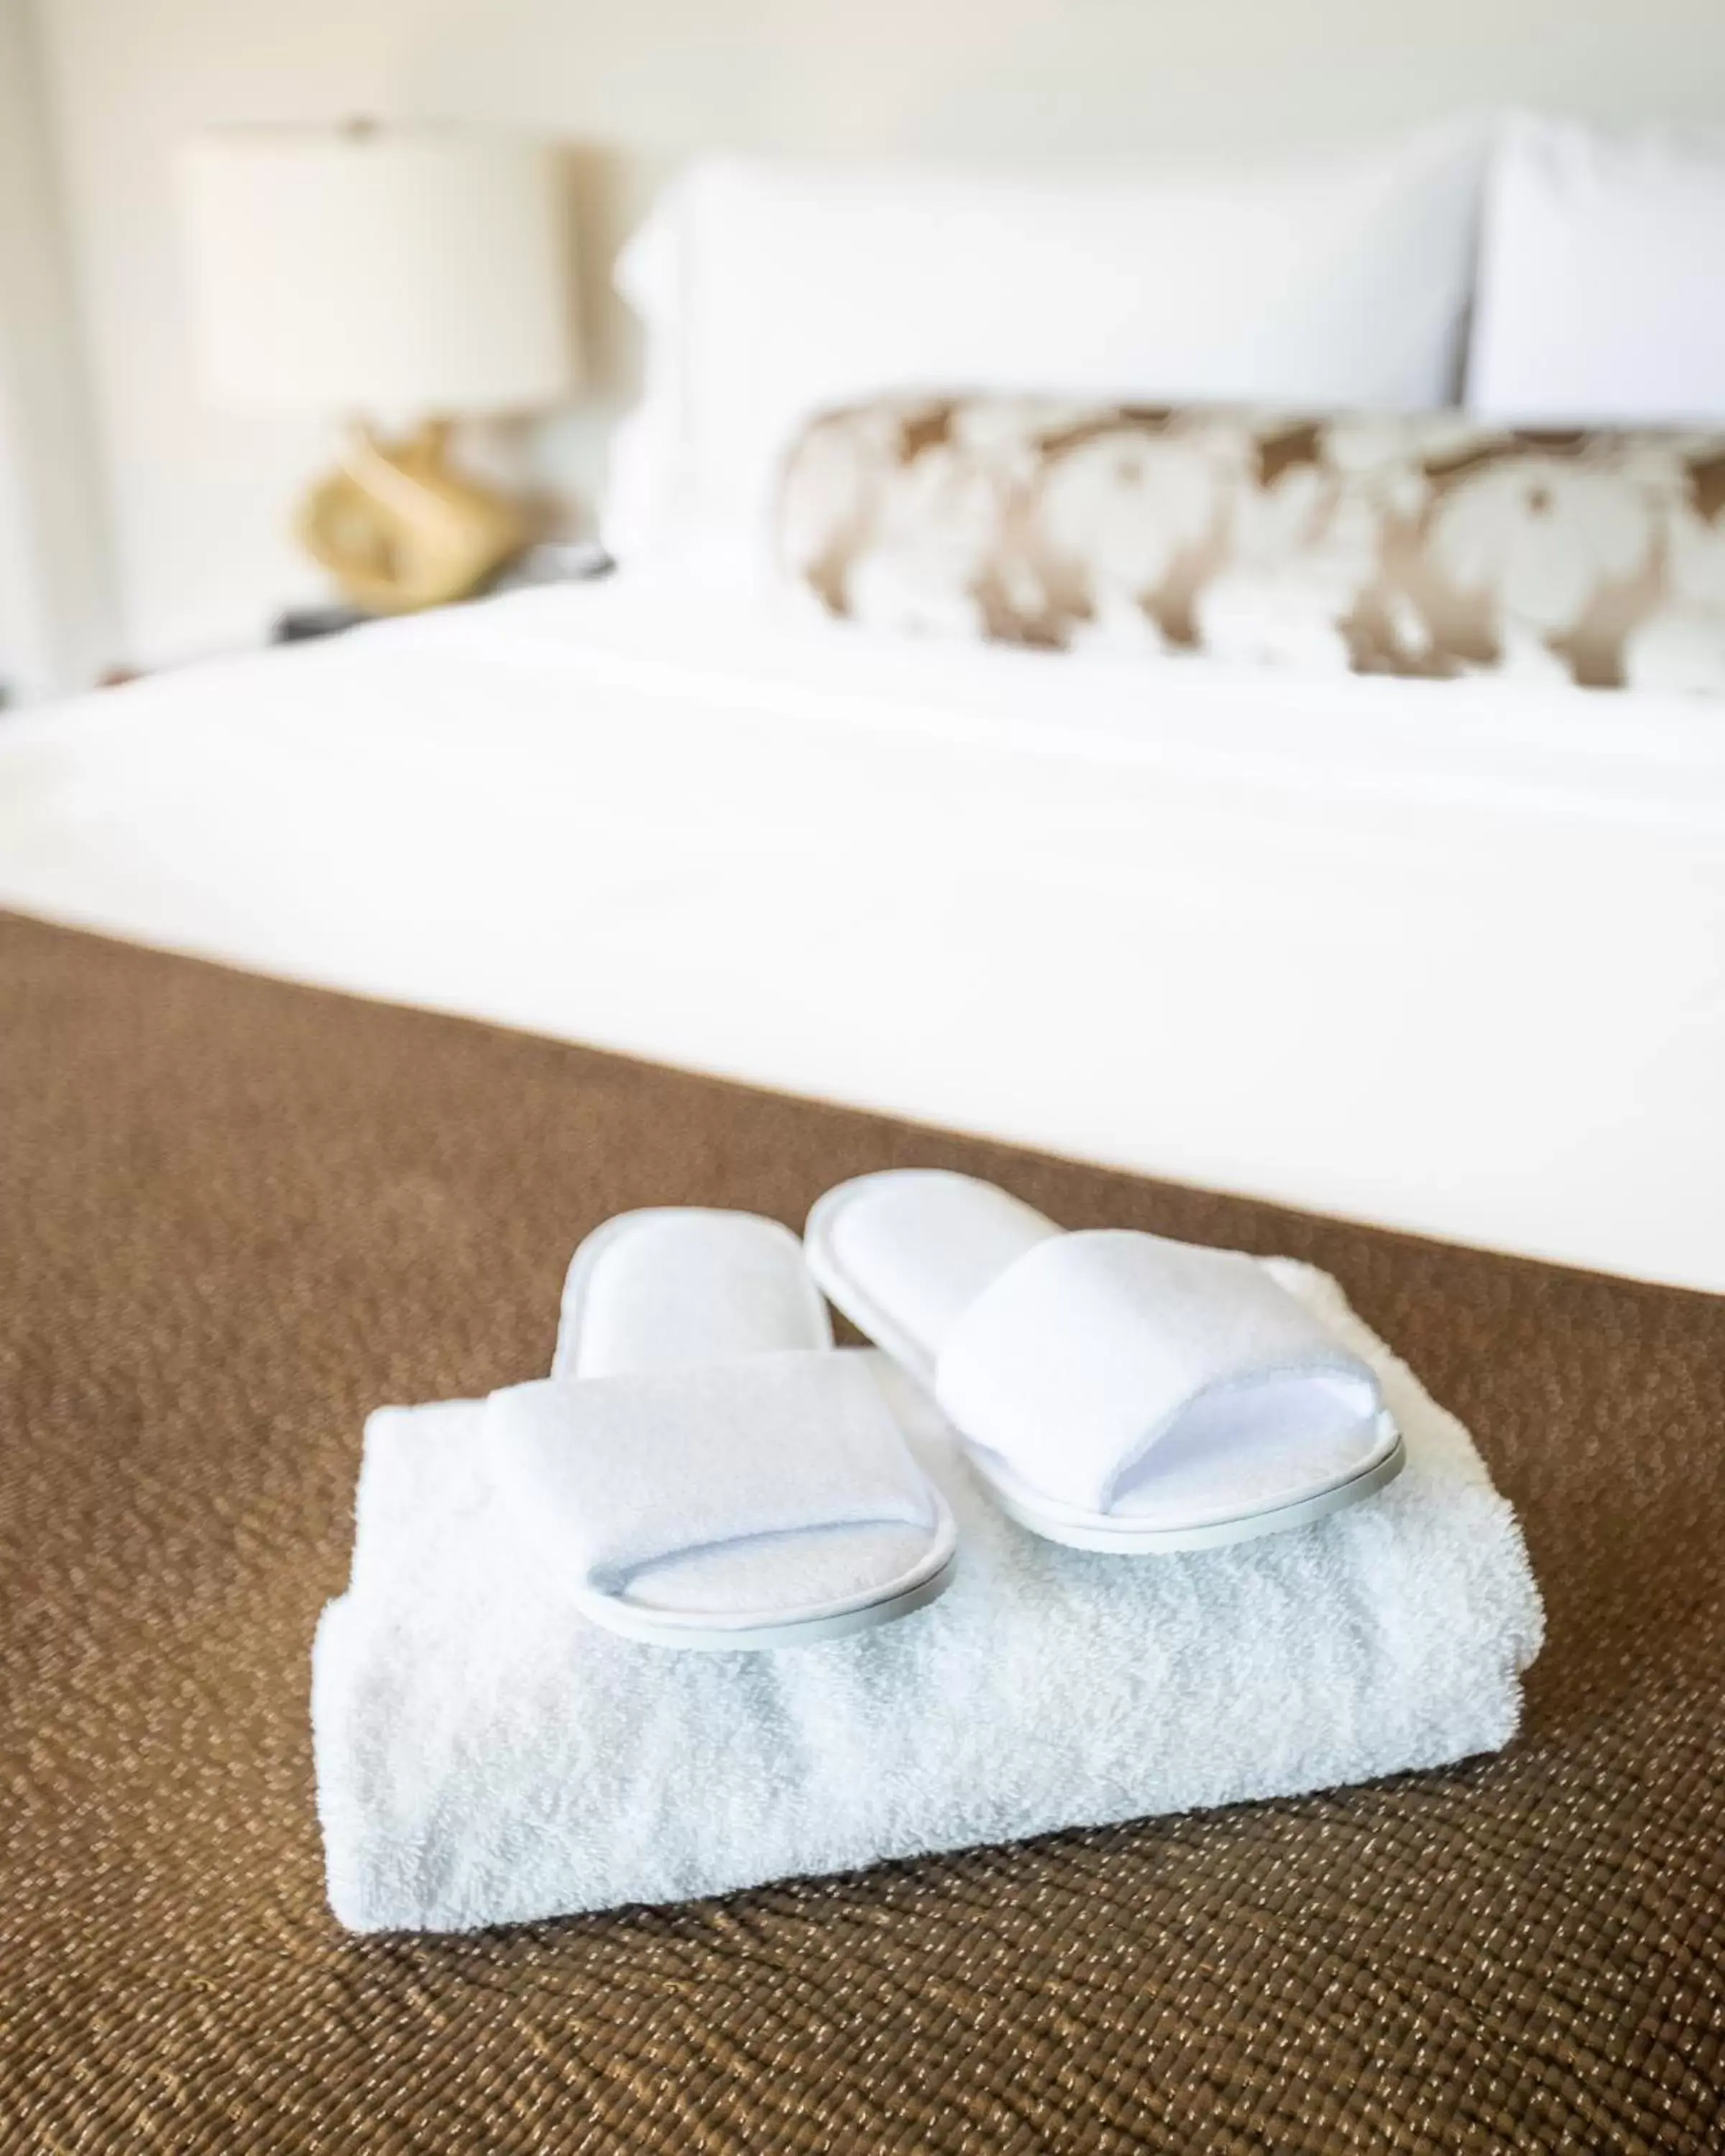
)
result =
(1445, 956)
(658, 889)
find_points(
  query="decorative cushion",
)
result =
(1429, 545)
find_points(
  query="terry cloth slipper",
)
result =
(1116, 1391)
(703, 1467)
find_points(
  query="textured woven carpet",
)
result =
(235, 1215)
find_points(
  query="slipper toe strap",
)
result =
(1091, 1348)
(620, 1473)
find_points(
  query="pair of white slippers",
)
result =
(705, 1471)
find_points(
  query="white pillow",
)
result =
(771, 291)
(1602, 279)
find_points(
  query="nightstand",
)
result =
(554, 561)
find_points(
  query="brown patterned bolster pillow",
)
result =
(1425, 545)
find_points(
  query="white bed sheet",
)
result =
(1447, 958)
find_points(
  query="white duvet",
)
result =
(1450, 957)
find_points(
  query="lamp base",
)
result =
(400, 529)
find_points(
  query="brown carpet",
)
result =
(234, 1214)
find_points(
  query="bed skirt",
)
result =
(239, 1214)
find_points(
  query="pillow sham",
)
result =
(1425, 545)
(770, 291)
(1602, 279)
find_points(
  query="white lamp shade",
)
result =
(379, 272)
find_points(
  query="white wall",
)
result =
(199, 498)
(56, 625)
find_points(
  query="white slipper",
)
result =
(1116, 1391)
(702, 1467)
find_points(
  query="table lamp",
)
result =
(399, 276)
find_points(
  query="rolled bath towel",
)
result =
(485, 1755)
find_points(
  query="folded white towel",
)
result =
(485, 1755)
